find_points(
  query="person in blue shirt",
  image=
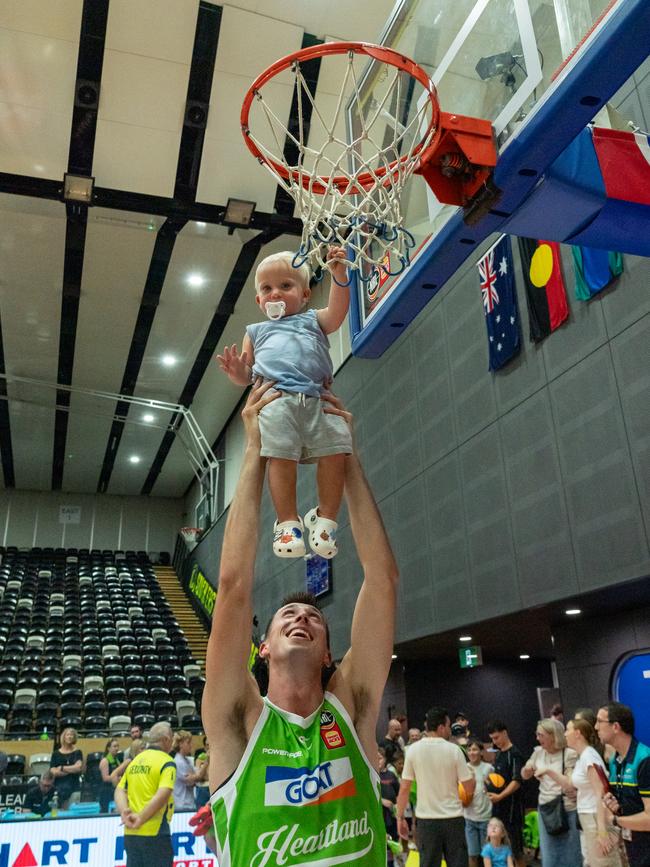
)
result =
(497, 851)
(629, 780)
(291, 350)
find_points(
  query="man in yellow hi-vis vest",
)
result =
(144, 798)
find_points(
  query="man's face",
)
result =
(297, 628)
(463, 721)
(499, 739)
(445, 730)
(136, 732)
(46, 786)
(394, 729)
(606, 730)
(414, 735)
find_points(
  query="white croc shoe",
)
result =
(289, 539)
(322, 534)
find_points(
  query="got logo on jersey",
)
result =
(301, 787)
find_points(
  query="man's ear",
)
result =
(264, 650)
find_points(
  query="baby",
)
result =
(292, 350)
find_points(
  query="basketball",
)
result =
(465, 799)
(495, 782)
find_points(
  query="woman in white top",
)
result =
(600, 838)
(552, 755)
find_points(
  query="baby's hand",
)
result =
(233, 364)
(339, 260)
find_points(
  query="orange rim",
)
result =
(342, 182)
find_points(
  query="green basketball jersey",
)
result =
(303, 795)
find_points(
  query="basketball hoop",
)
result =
(348, 192)
(190, 535)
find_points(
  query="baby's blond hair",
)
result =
(303, 274)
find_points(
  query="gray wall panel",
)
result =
(607, 530)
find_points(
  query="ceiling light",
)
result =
(78, 188)
(465, 638)
(573, 611)
(168, 360)
(524, 656)
(239, 212)
(196, 280)
(148, 417)
(394, 656)
(200, 224)
(134, 459)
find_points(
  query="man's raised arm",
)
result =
(227, 679)
(364, 668)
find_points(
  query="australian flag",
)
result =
(496, 273)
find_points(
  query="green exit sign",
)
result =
(470, 657)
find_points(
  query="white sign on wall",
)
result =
(90, 842)
(69, 514)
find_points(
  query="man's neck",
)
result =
(622, 744)
(295, 695)
(434, 735)
(506, 746)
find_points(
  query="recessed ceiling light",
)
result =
(196, 280)
(168, 360)
(148, 417)
(394, 656)
(135, 459)
(200, 224)
(524, 656)
(573, 611)
(465, 638)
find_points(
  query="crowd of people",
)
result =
(467, 796)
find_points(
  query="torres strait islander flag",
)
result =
(545, 291)
(595, 269)
(497, 278)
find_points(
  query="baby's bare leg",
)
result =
(282, 485)
(330, 478)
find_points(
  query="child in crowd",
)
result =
(291, 349)
(497, 851)
(477, 813)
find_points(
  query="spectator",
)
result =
(479, 810)
(144, 799)
(111, 770)
(600, 839)
(506, 799)
(459, 737)
(136, 734)
(202, 765)
(39, 796)
(629, 779)
(414, 736)
(136, 747)
(186, 777)
(201, 752)
(66, 765)
(438, 767)
(497, 851)
(389, 792)
(393, 740)
(552, 755)
(462, 719)
(557, 714)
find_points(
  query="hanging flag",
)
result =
(624, 159)
(545, 291)
(595, 269)
(497, 278)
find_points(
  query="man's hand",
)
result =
(233, 364)
(260, 395)
(611, 803)
(403, 829)
(494, 797)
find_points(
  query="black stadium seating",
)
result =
(87, 639)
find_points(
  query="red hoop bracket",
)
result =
(461, 159)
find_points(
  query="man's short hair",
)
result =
(158, 731)
(460, 715)
(496, 725)
(47, 777)
(436, 716)
(621, 714)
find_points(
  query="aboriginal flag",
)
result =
(545, 291)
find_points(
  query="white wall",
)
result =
(32, 518)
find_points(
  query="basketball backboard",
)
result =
(539, 70)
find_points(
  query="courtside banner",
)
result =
(89, 842)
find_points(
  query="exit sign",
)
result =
(470, 657)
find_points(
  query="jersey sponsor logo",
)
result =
(301, 787)
(271, 751)
(330, 732)
(275, 848)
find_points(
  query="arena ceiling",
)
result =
(134, 294)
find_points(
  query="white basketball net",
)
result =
(366, 217)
